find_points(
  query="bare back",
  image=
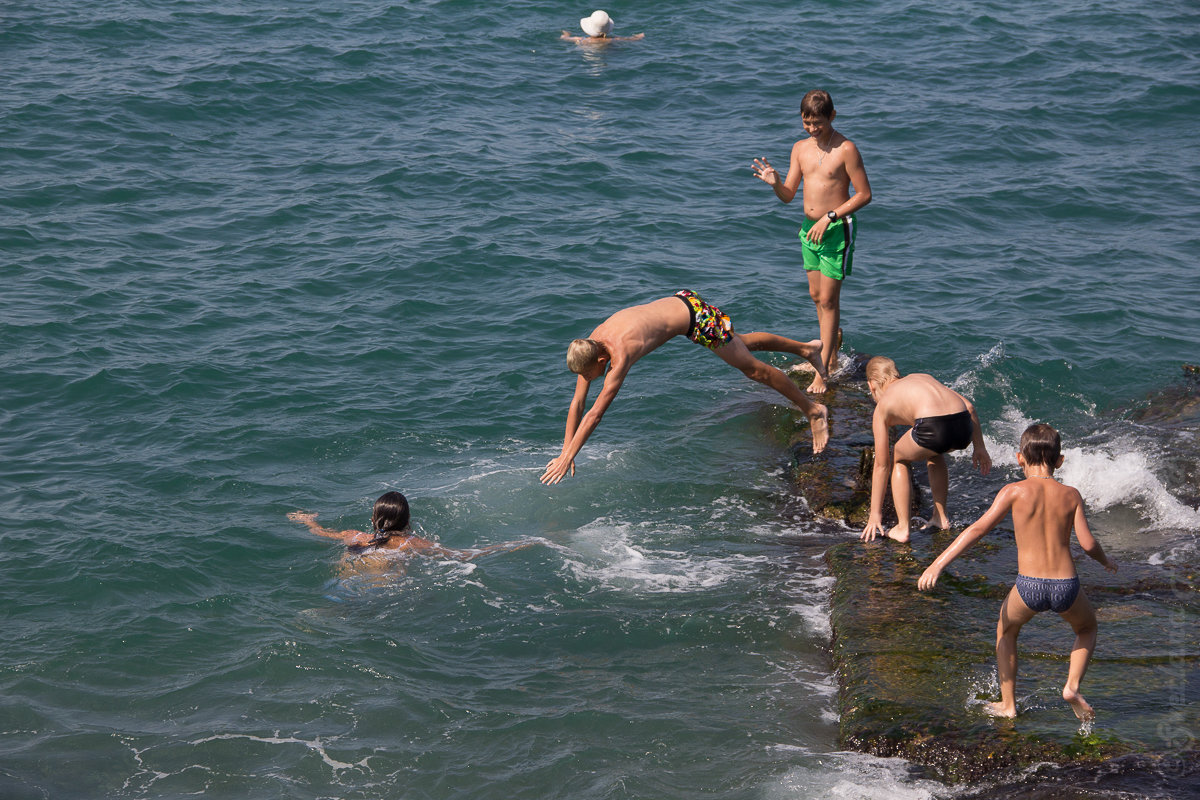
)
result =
(917, 395)
(1044, 512)
(633, 332)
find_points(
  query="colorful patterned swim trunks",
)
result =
(709, 326)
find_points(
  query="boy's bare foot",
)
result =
(1000, 710)
(1079, 705)
(898, 533)
(812, 354)
(936, 525)
(818, 420)
(818, 385)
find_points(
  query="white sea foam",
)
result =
(853, 776)
(603, 552)
(1118, 473)
(315, 745)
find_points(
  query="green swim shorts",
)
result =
(834, 254)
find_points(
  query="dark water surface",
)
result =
(267, 256)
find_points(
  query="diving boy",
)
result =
(617, 344)
(828, 164)
(1043, 512)
(942, 420)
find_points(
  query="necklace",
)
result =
(1044, 477)
(822, 153)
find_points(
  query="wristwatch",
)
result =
(832, 216)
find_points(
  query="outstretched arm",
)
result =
(309, 520)
(1088, 542)
(991, 518)
(429, 548)
(879, 476)
(578, 430)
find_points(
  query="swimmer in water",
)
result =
(598, 28)
(392, 532)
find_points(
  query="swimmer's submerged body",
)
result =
(392, 534)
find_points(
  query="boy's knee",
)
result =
(758, 371)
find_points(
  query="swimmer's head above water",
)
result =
(598, 25)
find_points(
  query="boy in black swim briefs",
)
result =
(1044, 511)
(618, 342)
(942, 420)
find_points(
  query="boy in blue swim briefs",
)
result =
(1043, 512)
(828, 164)
(618, 342)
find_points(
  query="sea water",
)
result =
(263, 256)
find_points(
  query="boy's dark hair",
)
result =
(1041, 444)
(390, 514)
(817, 103)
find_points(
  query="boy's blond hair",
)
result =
(882, 370)
(583, 353)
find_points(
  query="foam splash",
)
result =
(315, 745)
(602, 553)
(1118, 473)
(854, 776)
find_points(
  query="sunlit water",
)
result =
(266, 256)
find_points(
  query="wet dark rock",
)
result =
(915, 669)
(837, 482)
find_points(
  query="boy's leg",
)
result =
(939, 487)
(826, 295)
(773, 343)
(735, 354)
(906, 452)
(1013, 614)
(1083, 621)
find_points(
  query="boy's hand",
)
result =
(981, 461)
(301, 517)
(765, 172)
(928, 578)
(874, 528)
(556, 470)
(1110, 565)
(817, 232)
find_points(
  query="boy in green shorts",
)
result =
(828, 164)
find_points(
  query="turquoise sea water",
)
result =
(267, 256)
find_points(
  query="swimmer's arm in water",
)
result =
(974, 532)
(426, 547)
(310, 521)
(567, 37)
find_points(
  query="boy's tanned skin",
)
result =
(633, 332)
(909, 400)
(1044, 511)
(828, 164)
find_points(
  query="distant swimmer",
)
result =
(829, 164)
(942, 420)
(1043, 512)
(391, 532)
(598, 28)
(631, 333)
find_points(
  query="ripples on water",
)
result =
(273, 256)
